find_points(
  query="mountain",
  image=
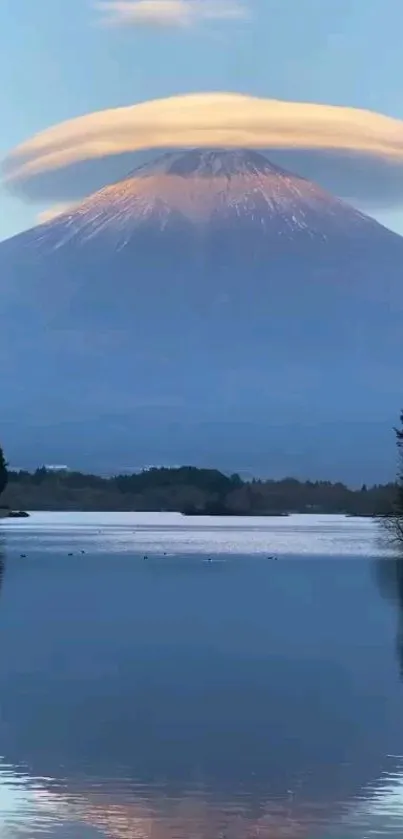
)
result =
(210, 308)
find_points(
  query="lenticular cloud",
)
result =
(310, 131)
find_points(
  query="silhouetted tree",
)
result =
(3, 472)
(393, 521)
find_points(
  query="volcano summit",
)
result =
(210, 308)
(211, 188)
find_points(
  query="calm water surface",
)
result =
(169, 679)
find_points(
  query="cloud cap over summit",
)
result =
(356, 153)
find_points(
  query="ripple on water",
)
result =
(118, 669)
(120, 809)
(171, 533)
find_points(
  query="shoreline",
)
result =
(6, 513)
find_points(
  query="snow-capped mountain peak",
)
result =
(208, 187)
(219, 162)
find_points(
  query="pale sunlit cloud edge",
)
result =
(208, 120)
(168, 13)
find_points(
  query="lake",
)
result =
(164, 677)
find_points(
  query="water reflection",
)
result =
(27, 805)
(2, 563)
(378, 811)
(148, 813)
(151, 814)
(84, 810)
(171, 699)
(43, 806)
(390, 579)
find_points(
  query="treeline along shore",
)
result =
(191, 491)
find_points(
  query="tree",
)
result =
(3, 471)
(393, 521)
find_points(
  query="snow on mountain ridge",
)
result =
(207, 188)
(209, 162)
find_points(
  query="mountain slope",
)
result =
(206, 188)
(206, 286)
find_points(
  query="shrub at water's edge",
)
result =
(3, 472)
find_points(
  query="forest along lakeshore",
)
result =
(191, 491)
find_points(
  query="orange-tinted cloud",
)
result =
(208, 119)
(168, 13)
(357, 154)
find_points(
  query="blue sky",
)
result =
(57, 62)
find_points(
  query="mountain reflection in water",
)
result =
(172, 699)
(75, 813)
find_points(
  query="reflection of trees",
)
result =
(389, 574)
(2, 563)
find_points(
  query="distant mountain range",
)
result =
(210, 309)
